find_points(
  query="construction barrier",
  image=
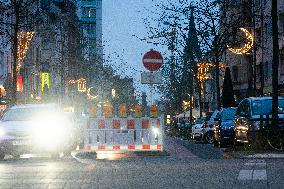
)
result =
(123, 134)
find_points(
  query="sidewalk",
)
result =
(176, 150)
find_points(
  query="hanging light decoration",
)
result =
(91, 96)
(246, 48)
(24, 39)
(204, 68)
(81, 84)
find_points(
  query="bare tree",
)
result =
(21, 16)
(218, 26)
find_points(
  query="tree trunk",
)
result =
(15, 54)
(217, 73)
(275, 61)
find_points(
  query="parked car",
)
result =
(207, 133)
(247, 119)
(184, 128)
(224, 127)
(196, 129)
(35, 128)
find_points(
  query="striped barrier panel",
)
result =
(123, 134)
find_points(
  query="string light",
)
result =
(24, 39)
(246, 48)
(203, 70)
(81, 84)
(92, 97)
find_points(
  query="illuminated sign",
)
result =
(20, 83)
(45, 80)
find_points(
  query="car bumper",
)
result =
(20, 146)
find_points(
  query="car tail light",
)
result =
(206, 125)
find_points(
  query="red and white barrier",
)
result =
(123, 134)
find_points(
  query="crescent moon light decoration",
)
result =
(89, 94)
(247, 46)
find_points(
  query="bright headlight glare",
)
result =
(156, 131)
(2, 132)
(50, 131)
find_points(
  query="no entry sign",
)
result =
(152, 60)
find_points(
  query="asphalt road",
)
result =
(189, 165)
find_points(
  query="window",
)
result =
(266, 70)
(89, 28)
(264, 107)
(235, 73)
(89, 12)
(243, 107)
(2, 62)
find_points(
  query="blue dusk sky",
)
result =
(121, 20)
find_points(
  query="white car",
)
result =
(40, 128)
(196, 129)
(207, 133)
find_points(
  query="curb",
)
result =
(91, 157)
(243, 155)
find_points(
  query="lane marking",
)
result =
(255, 173)
(245, 175)
(256, 164)
(259, 175)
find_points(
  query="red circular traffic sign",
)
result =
(152, 60)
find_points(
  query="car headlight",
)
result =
(51, 133)
(2, 132)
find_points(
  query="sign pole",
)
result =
(152, 61)
(151, 90)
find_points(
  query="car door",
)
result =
(241, 120)
(217, 120)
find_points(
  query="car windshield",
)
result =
(264, 107)
(25, 114)
(228, 114)
(208, 115)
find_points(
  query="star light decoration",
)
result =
(246, 48)
(24, 39)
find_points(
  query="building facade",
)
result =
(54, 55)
(252, 72)
(90, 16)
(5, 54)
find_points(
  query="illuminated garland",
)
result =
(203, 70)
(24, 39)
(89, 94)
(246, 48)
(81, 84)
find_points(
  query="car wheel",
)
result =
(215, 143)
(237, 144)
(2, 155)
(209, 138)
(221, 144)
